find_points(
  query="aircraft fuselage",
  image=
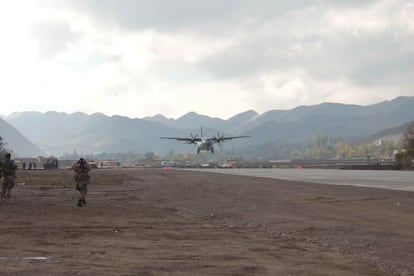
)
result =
(205, 144)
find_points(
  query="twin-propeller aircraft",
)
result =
(204, 143)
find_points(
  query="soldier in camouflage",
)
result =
(8, 169)
(81, 169)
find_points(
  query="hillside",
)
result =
(16, 142)
(394, 134)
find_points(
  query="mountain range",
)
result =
(58, 133)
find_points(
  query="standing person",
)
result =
(81, 169)
(9, 174)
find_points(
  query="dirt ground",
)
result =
(176, 222)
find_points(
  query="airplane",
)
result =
(204, 143)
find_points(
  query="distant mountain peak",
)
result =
(157, 118)
(160, 116)
(24, 113)
(99, 114)
(401, 98)
(189, 114)
(249, 113)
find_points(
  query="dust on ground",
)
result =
(176, 222)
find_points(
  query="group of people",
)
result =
(81, 168)
(32, 166)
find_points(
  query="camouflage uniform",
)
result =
(81, 169)
(9, 174)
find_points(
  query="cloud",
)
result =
(218, 56)
(160, 15)
(364, 45)
(53, 36)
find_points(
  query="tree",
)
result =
(2, 149)
(405, 157)
(402, 160)
(149, 155)
(343, 150)
(322, 147)
(408, 140)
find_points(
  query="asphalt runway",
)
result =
(393, 180)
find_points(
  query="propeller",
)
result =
(219, 139)
(193, 139)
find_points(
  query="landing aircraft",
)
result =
(204, 143)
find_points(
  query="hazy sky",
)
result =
(215, 57)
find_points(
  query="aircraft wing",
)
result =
(222, 138)
(183, 139)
